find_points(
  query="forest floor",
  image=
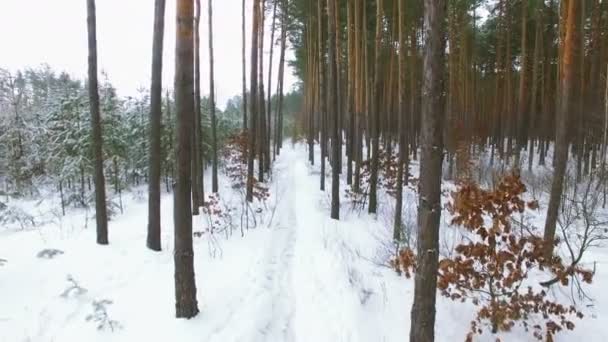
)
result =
(298, 276)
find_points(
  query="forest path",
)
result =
(298, 286)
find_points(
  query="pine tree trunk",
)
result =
(243, 49)
(523, 121)
(197, 155)
(262, 100)
(101, 216)
(536, 70)
(375, 114)
(280, 91)
(269, 93)
(186, 305)
(567, 85)
(322, 95)
(429, 205)
(214, 185)
(153, 240)
(333, 109)
(403, 146)
(251, 134)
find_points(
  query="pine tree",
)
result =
(429, 203)
(101, 216)
(185, 287)
(153, 240)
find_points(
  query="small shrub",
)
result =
(74, 289)
(101, 317)
(18, 216)
(491, 269)
(235, 165)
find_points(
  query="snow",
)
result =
(298, 276)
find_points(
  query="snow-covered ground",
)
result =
(298, 276)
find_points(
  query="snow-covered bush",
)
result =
(14, 215)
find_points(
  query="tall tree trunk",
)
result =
(375, 114)
(262, 100)
(350, 79)
(214, 185)
(403, 145)
(186, 305)
(522, 109)
(243, 49)
(197, 153)
(321, 90)
(338, 93)
(567, 84)
(536, 70)
(101, 216)
(270, 58)
(153, 239)
(251, 134)
(429, 205)
(280, 91)
(333, 109)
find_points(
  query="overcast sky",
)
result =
(33, 32)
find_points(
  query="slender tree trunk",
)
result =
(214, 185)
(334, 109)
(280, 91)
(251, 134)
(403, 145)
(567, 85)
(270, 58)
(101, 216)
(197, 155)
(322, 95)
(536, 69)
(262, 99)
(375, 114)
(523, 121)
(338, 93)
(243, 49)
(153, 240)
(429, 205)
(186, 305)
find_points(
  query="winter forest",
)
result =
(361, 170)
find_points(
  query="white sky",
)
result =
(33, 32)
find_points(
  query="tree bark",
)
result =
(322, 99)
(197, 155)
(101, 216)
(270, 58)
(262, 141)
(429, 205)
(334, 109)
(403, 146)
(186, 305)
(375, 119)
(280, 90)
(214, 185)
(153, 240)
(243, 49)
(567, 85)
(251, 133)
